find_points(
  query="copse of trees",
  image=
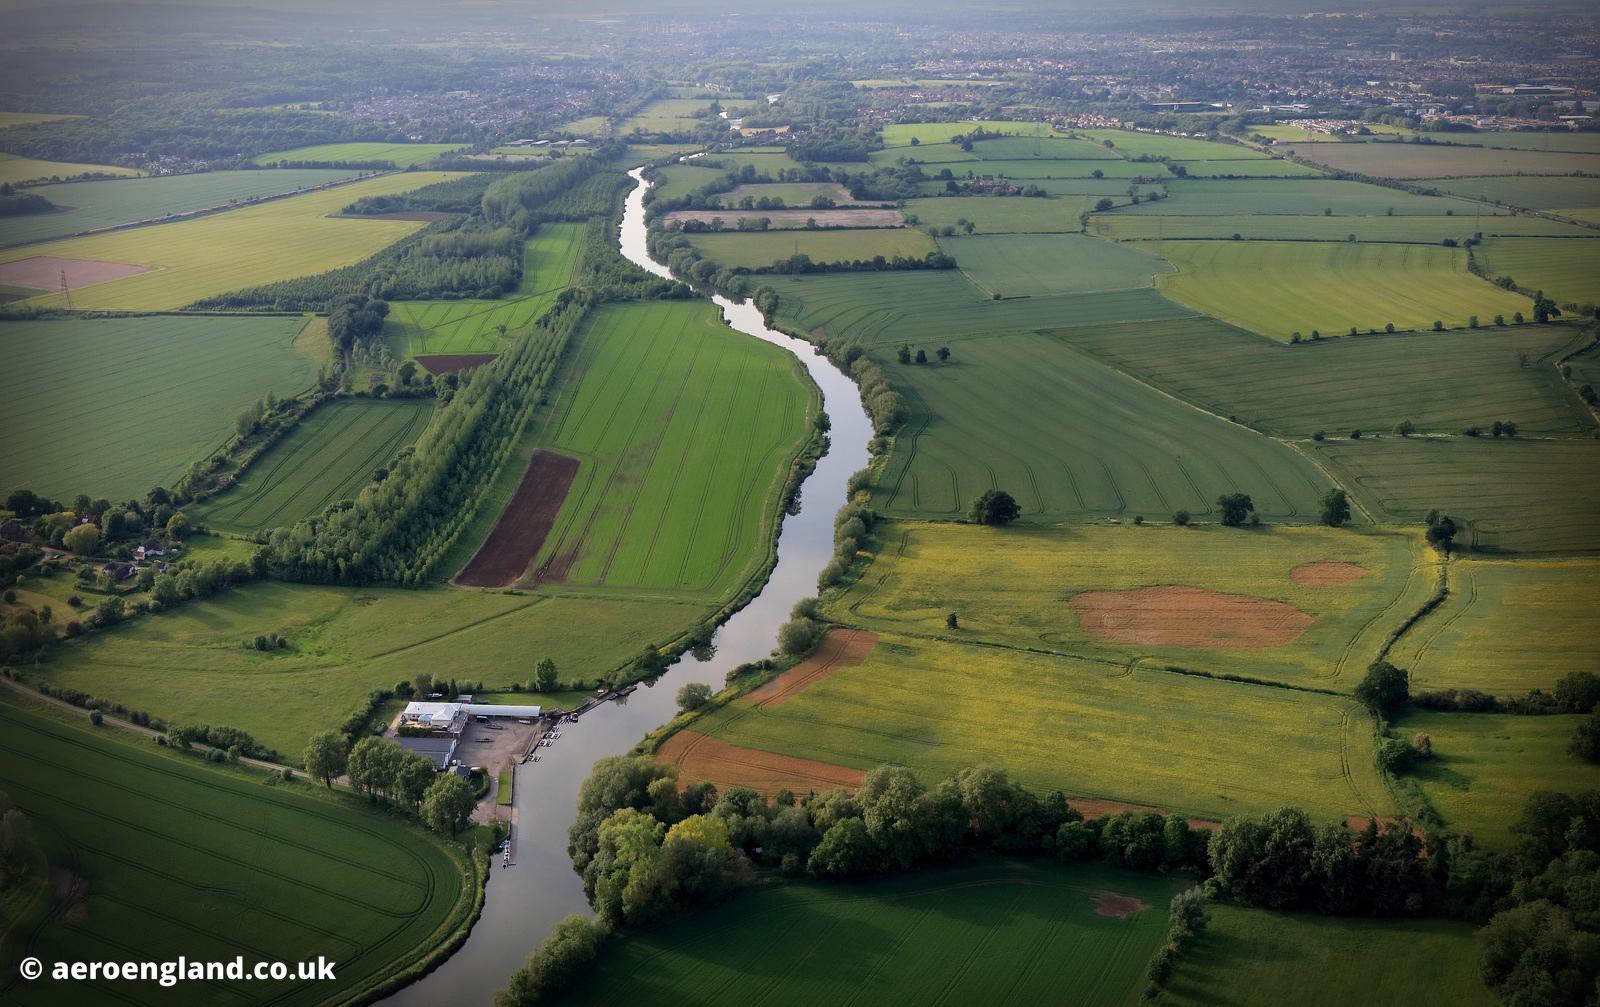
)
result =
(994, 507)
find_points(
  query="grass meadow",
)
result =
(191, 665)
(157, 855)
(120, 201)
(901, 134)
(1039, 265)
(15, 168)
(1258, 167)
(1441, 381)
(403, 155)
(990, 931)
(1179, 148)
(1485, 765)
(329, 456)
(1534, 496)
(114, 406)
(1300, 197)
(1507, 627)
(472, 326)
(752, 249)
(1306, 227)
(1531, 191)
(1072, 439)
(1278, 288)
(1429, 160)
(684, 430)
(194, 259)
(667, 115)
(674, 181)
(1003, 215)
(1566, 269)
(765, 160)
(1015, 588)
(1263, 959)
(1199, 746)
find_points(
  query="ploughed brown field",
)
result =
(841, 648)
(520, 533)
(44, 272)
(1181, 616)
(446, 363)
(1327, 573)
(702, 757)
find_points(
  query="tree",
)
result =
(951, 621)
(1405, 428)
(922, 356)
(178, 526)
(82, 539)
(693, 696)
(556, 964)
(994, 507)
(944, 354)
(1181, 518)
(1585, 742)
(1335, 508)
(1441, 531)
(325, 756)
(1105, 203)
(447, 804)
(903, 354)
(1385, 688)
(1236, 508)
(545, 675)
(372, 764)
(844, 850)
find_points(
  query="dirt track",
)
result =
(523, 525)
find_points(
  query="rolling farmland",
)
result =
(1072, 439)
(329, 456)
(1304, 605)
(193, 259)
(1485, 765)
(1568, 270)
(1003, 215)
(1531, 191)
(1179, 148)
(901, 134)
(756, 249)
(472, 326)
(1083, 726)
(1442, 381)
(14, 169)
(1027, 927)
(401, 155)
(1277, 288)
(1286, 227)
(1529, 496)
(1437, 160)
(1247, 168)
(1508, 626)
(1300, 197)
(121, 201)
(161, 856)
(684, 430)
(667, 115)
(114, 406)
(187, 666)
(1337, 960)
(1045, 264)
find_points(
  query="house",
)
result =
(435, 749)
(150, 549)
(447, 717)
(118, 571)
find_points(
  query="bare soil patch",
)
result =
(841, 648)
(1194, 617)
(520, 533)
(702, 757)
(797, 218)
(43, 272)
(1327, 573)
(446, 363)
(1112, 904)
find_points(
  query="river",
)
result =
(524, 901)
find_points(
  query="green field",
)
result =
(880, 308)
(1072, 439)
(901, 134)
(194, 259)
(1518, 496)
(1533, 192)
(1300, 196)
(1507, 627)
(1578, 143)
(793, 194)
(15, 168)
(1003, 215)
(1286, 227)
(1431, 160)
(1198, 746)
(765, 160)
(684, 429)
(403, 155)
(754, 249)
(190, 665)
(1278, 288)
(1440, 381)
(991, 931)
(1011, 148)
(23, 118)
(668, 115)
(1256, 958)
(1026, 170)
(589, 125)
(674, 181)
(1485, 765)
(1179, 148)
(1567, 269)
(1247, 168)
(114, 406)
(330, 456)
(171, 858)
(472, 326)
(121, 201)
(1038, 265)
(1015, 588)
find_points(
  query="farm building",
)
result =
(437, 749)
(452, 717)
